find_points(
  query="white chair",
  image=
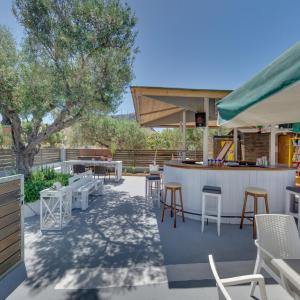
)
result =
(291, 201)
(225, 282)
(277, 238)
(207, 192)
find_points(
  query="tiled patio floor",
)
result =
(119, 249)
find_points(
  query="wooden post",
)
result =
(184, 133)
(205, 132)
(62, 153)
(272, 155)
(235, 143)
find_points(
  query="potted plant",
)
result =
(154, 169)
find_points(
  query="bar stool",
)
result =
(292, 203)
(150, 180)
(256, 193)
(173, 187)
(212, 191)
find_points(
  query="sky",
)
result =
(205, 44)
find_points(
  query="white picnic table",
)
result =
(290, 275)
(116, 164)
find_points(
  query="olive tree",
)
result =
(109, 132)
(76, 58)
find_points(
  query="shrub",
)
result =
(40, 180)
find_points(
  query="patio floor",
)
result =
(119, 249)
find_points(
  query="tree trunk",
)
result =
(24, 161)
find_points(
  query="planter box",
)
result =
(32, 209)
(154, 169)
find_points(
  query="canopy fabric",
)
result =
(296, 127)
(271, 97)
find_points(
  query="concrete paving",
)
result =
(119, 249)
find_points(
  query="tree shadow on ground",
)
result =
(116, 239)
(115, 234)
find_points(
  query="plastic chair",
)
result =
(277, 238)
(223, 283)
(101, 171)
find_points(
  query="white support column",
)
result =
(62, 153)
(205, 133)
(184, 130)
(272, 155)
(235, 143)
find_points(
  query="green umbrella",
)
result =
(271, 97)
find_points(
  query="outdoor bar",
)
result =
(233, 181)
(263, 108)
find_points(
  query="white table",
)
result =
(290, 275)
(116, 164)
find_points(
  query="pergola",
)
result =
(163, 107)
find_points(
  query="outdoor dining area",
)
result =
(135, 165)
(215, 192)
(235, 212)
(240, 215)
(88, 173)
(268, 188)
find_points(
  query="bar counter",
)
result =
(233, 181)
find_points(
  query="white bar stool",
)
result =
(292, 203)
(212, 191)
(153, 186)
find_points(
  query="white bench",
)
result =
(82, 185)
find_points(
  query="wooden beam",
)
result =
(177, 92)
(151, 117)
(159, 111)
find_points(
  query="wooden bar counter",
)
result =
(233, 181)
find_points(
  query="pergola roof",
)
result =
(163, 107)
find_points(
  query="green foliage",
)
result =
(115, 133)
(76, 58)
(40, 180)
(8, 71)
(109, 132)
(165, 139)
(5, 137)
(80, 52)
(130, 170)
(55, 139)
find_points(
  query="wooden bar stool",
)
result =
(256, 193)
(173, 187)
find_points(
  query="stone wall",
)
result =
(254, 145)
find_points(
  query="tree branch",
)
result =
(62, 121)
(16, 128)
